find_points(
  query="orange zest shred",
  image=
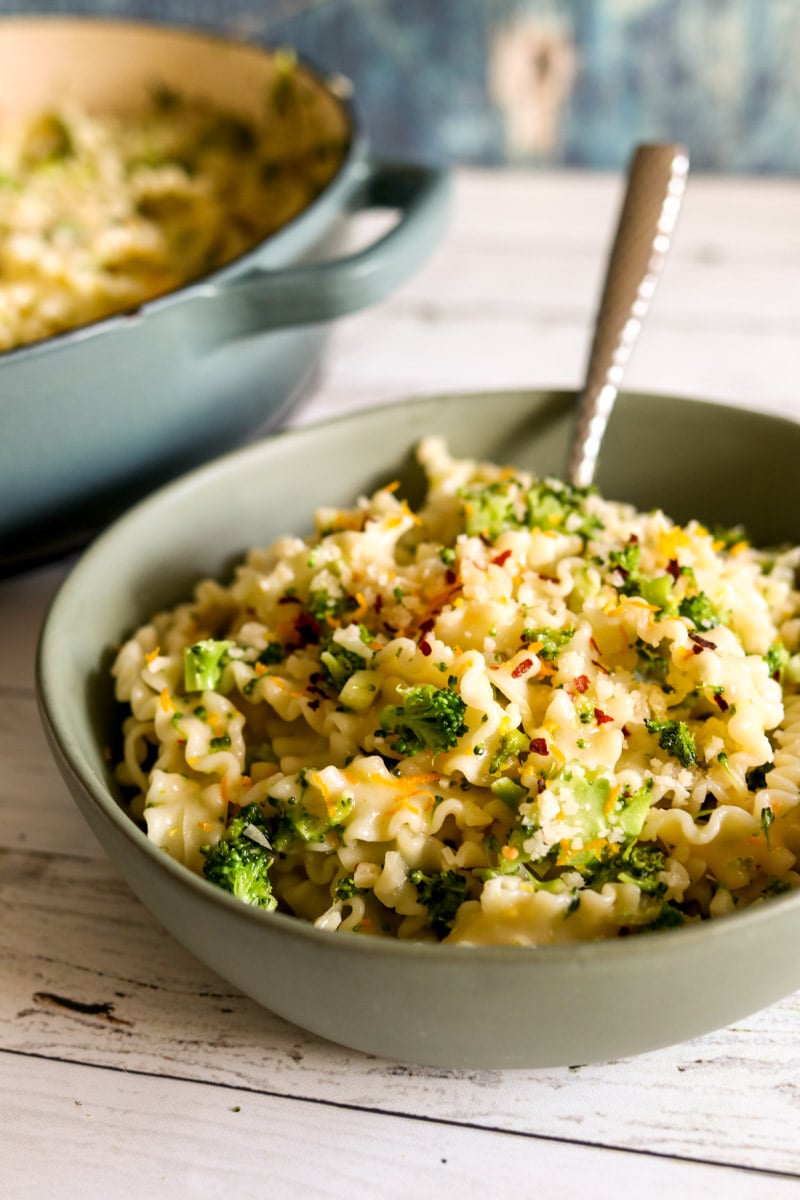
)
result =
(166, 700)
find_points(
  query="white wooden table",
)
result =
(128, 1070)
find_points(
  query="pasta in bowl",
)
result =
(333, 807)
(521, 714)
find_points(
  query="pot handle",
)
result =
(312, 293)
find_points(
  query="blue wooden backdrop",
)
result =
(538, 81)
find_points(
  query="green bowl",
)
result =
(434, 1004)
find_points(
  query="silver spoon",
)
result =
(655, 187)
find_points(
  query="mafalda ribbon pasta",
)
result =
(100, 212)
(522, 714)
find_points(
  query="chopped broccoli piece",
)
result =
(655, 589)
(636, 863)
(295, 824)
(756, 777)
(669, 917)
(220, 743)
(273, 652)
(776, 659)
(203, 663)
(700, 611)
(552, 641)
(321, 605)
(429, 718)
(489, 510)
(626, 562)
(777, 887)
(509, 791)
(658, 591)
(730, 537)
(442, 893)
(557, 505)
(513, 742)
(346, 889)
(340, 664)
(676, 739)
(241, 859)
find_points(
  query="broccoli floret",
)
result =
(493, 508)
(442, 893)
(636, 863)
(675, 738)
(241, 859)
(513, 742)
(756, 777)
(629, 581)
(557, 505)
(346, 889)
(429, 718)
(626, 562)
(489, 510)
(202, 664)
(669, 917)
(294, 823)
(776, 659)
(321, 605)
(700, 611)
(340, 664)
(273, 652)
(551, 641)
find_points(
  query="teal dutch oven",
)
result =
(94, 418)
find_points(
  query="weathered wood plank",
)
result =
(122, 1135)
(90, 976)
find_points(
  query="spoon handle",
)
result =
(655, 187)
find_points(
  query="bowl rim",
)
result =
(580, 953)
(355, 153)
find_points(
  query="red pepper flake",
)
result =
(633, 540)
(673, 569)
(549, 578)
(522, 668)
(580, 683)
(600, 666)
(450, 576)
(540, 785)
(425, 647)
(625, 731)
(601, 717)
(721, 702)
(378, 603)
(594, 644)
(307, 627)
(501, 558)
(701, 643)
(427, 625)
(539, 746)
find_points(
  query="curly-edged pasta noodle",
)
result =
(101, 212)
(521, 715)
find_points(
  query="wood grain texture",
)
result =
(300, 1148)
(125, 1049)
